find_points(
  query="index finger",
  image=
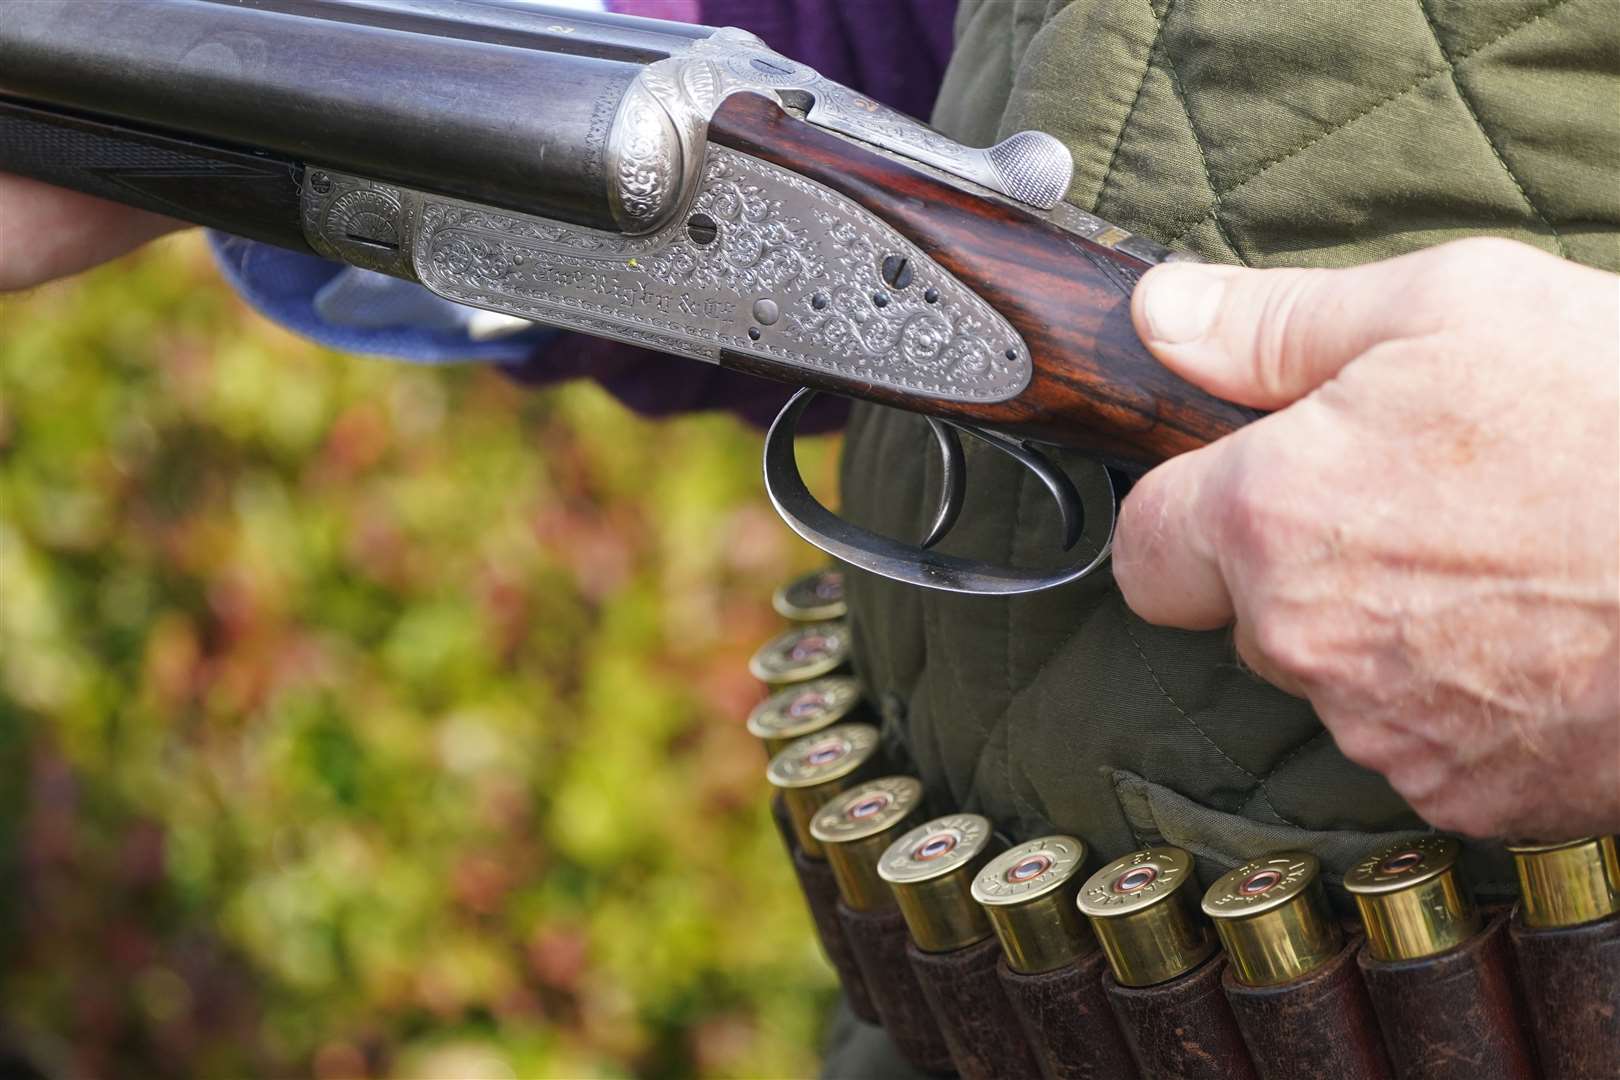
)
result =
(1165, 557)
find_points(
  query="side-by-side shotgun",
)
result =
(682, 188)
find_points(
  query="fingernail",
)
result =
(1182, 300)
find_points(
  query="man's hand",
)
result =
(1424, 539)
(48, 232)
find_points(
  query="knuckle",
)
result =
(1255, 504)
(1287, 646)
(1458, 814)
(1246, 497)
(1361, 743)
(1441, 793)
(1459, 271)
(1284, 649)
(1250, 656)
(1138, 534)
(1471, 251)
(1373, 744)
(1135, 529)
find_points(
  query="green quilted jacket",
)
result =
(1305, 133)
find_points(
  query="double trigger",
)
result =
(920, 564)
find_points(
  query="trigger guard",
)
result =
(881, 555)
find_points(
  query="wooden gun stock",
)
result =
(1095, 385)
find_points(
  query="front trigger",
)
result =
(953, 480)
(1071, 511)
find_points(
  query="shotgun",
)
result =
(683, 188)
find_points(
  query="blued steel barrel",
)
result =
(516, 127)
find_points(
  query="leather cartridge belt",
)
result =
(1037, 957)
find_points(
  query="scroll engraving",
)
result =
(360, 222)
(645, 155)
(815, 256)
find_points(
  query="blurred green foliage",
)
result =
(363, 719)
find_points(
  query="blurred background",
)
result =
(361, 719)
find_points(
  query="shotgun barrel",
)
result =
(514, 127)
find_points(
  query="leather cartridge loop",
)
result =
(821, 896)
(1068, 1022)
(879, 939)
(974, 1014)
(1182, 1028)
(1571, 982)
(1320, 1026)
(1452, 1016)
(1566, 938)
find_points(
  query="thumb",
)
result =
(1265, 338)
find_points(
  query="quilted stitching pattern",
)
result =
(1473, 114)
(1451, 63)
(1314, 133)
(1192, 128)
(1256, 150)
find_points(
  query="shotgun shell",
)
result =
(801, 653)
(1273, 917)
(857, 827)
(1567, 884)
(1412, 902)
(931, 870)
(1029, 893)
(1142, 910)
(803, 710)
(811, 770)
(812, 597)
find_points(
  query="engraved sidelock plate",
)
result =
(762, 262)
